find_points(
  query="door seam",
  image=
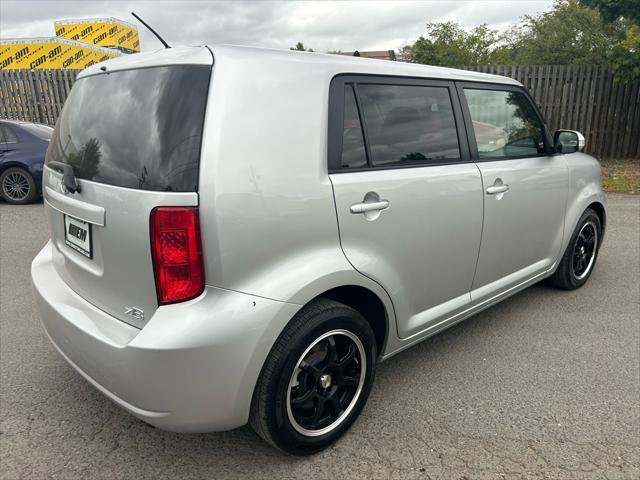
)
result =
(475, 270)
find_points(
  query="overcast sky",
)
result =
(324, 26)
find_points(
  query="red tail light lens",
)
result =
(177, 253)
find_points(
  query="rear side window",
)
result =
(505, 124)
(7, 135)
(409, 124)
(353, 150)
(41, 131)
(137, 128)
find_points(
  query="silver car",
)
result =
(239, 235)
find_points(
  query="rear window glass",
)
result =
(7, 134)
(353, 151)
(41, 131)
(137, 128)
(409, 124)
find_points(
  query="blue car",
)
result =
(22, 149)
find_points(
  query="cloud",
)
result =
(324, 26)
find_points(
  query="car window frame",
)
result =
(336, 120)
(473, 146)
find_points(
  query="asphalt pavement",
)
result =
(544, 385)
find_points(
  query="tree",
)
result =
(625, 54)
(446, 43)
(300, 48)
(612, 10)
(570, 33)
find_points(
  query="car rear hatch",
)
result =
(132, 137)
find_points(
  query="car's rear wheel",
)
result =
(17, 186)
(316, 379)
(580, 256)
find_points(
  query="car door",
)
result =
(10, 142)
(408, 198)
(525, 187)
(3, 143)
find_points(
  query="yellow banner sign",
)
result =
(106, 32)
(50, 53)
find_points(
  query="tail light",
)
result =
(177, 253)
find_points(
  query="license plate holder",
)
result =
(77, 235)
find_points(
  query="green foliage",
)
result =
(624, 15)
(573, 32)
(300, 48)
(612, 10)
(568, 34)
(625, 56)
(448, 44)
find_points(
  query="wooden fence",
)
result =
(576, 97)
(34, 95)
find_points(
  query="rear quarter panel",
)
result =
(268, 217)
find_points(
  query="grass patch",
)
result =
(621, 176)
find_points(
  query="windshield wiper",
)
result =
(68, 176)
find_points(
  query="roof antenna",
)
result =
(166, 45)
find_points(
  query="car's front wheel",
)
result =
(17, 186)
(316, 379)
(580, 256)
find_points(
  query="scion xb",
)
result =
(239, 235)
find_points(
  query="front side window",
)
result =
(505, 124)
(409, 124)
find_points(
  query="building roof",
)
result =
(378, 54)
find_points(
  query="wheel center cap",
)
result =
(325, 381)
(582, 250)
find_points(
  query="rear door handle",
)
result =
(494, 189)
(369, 206)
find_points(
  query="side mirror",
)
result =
(568, 141)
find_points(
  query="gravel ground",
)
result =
(544, 385)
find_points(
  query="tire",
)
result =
(300, 374)
(17, 186)
(579, 258)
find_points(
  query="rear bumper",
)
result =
(191, 368)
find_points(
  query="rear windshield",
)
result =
(43, 132)
(136, 128)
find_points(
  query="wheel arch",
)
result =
(13, 163)
(368, 304)
(600, 209)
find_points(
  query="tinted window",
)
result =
(409, 124)
(8, 136)
(353, 151)
(41, 131)
(136, 128)
(505, 124)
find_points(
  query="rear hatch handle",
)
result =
(68, 176)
